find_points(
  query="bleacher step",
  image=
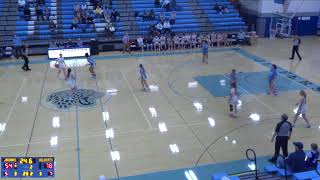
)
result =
(261, 175)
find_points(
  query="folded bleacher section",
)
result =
(230, 21)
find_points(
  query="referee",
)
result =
(282, 134)
(295, 47)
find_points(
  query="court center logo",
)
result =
(64, 100)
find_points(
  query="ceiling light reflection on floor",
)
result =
(112, 92)
(190, 175)
(174, 148)
(153, 111)
(193, 84)
(24, 99)
(3, 127)
(212, 122)
(162, 127)
(226, 138)
(255, 117)
(234, 142)
(105, 116)
(115, 155)
(154, 88)
(109, 133)
(54, 141)
(56, 122)
(198, 106)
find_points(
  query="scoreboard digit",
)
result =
(27, 167)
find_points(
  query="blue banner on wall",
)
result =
(279, 1)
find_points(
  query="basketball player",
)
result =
(205, 49)
(272, 80)
(71, 81)
(302, 109)
(92, 64)
(62, 66)
(143, 78)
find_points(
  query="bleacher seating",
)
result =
(223, 22)
(186, 21)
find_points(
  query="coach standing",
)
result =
(295, 48)
(282, 134)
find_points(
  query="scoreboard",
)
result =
(27, 167)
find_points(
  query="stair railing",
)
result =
(253, 159)
(285, 166)
(317, 168)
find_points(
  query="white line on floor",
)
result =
(137, 100)
(14, 104)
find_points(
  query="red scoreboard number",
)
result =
(10, 165)
(48, 165)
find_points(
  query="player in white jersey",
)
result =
(61, 65)
(71, 81)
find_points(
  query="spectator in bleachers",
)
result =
(295, 162)
(27, 13)
(173, 5)
(17, 46)
(156, 43)
(166, 5)
(152, 15)
(22, 4)
(241, 36)
(76, 7)
(173, 16)
(47, 13)
(225, 9)
(217, 8)
(152, 29)
(40, 2)
(126, 43)
(312, 157)
(109, 29)
(84, 6)
(115, 15)
(145, 16)
(74, 23)
(98, 12)
(52, 27)
(161, 17)
(156, 3)
(148, 42)
(166, 26)
(140, 43)
(159, 27)
(39, 13)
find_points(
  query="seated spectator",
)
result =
(109, 29)
(161, 16)
(76, 7)
(173, 16)
(140, 43)
(74, 23)
(47, 13)
(22, 4)
(156, 3)
(173, 5)
(52, 27)
(145, 16)
(84, 6)
(217, 8)
(115, 15)
(98, 12)
(225, 10)
(149, 43)
(166, 5)
(166, 26)
(159, 27)
(39, 13)
(312, 157)
(242, 38)
(79, 42)
(295, 162)
(152, 29)
(27, 13)
(107, 17)
(152, 16)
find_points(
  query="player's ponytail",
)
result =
(69, 72)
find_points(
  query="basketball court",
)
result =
(117, 130)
